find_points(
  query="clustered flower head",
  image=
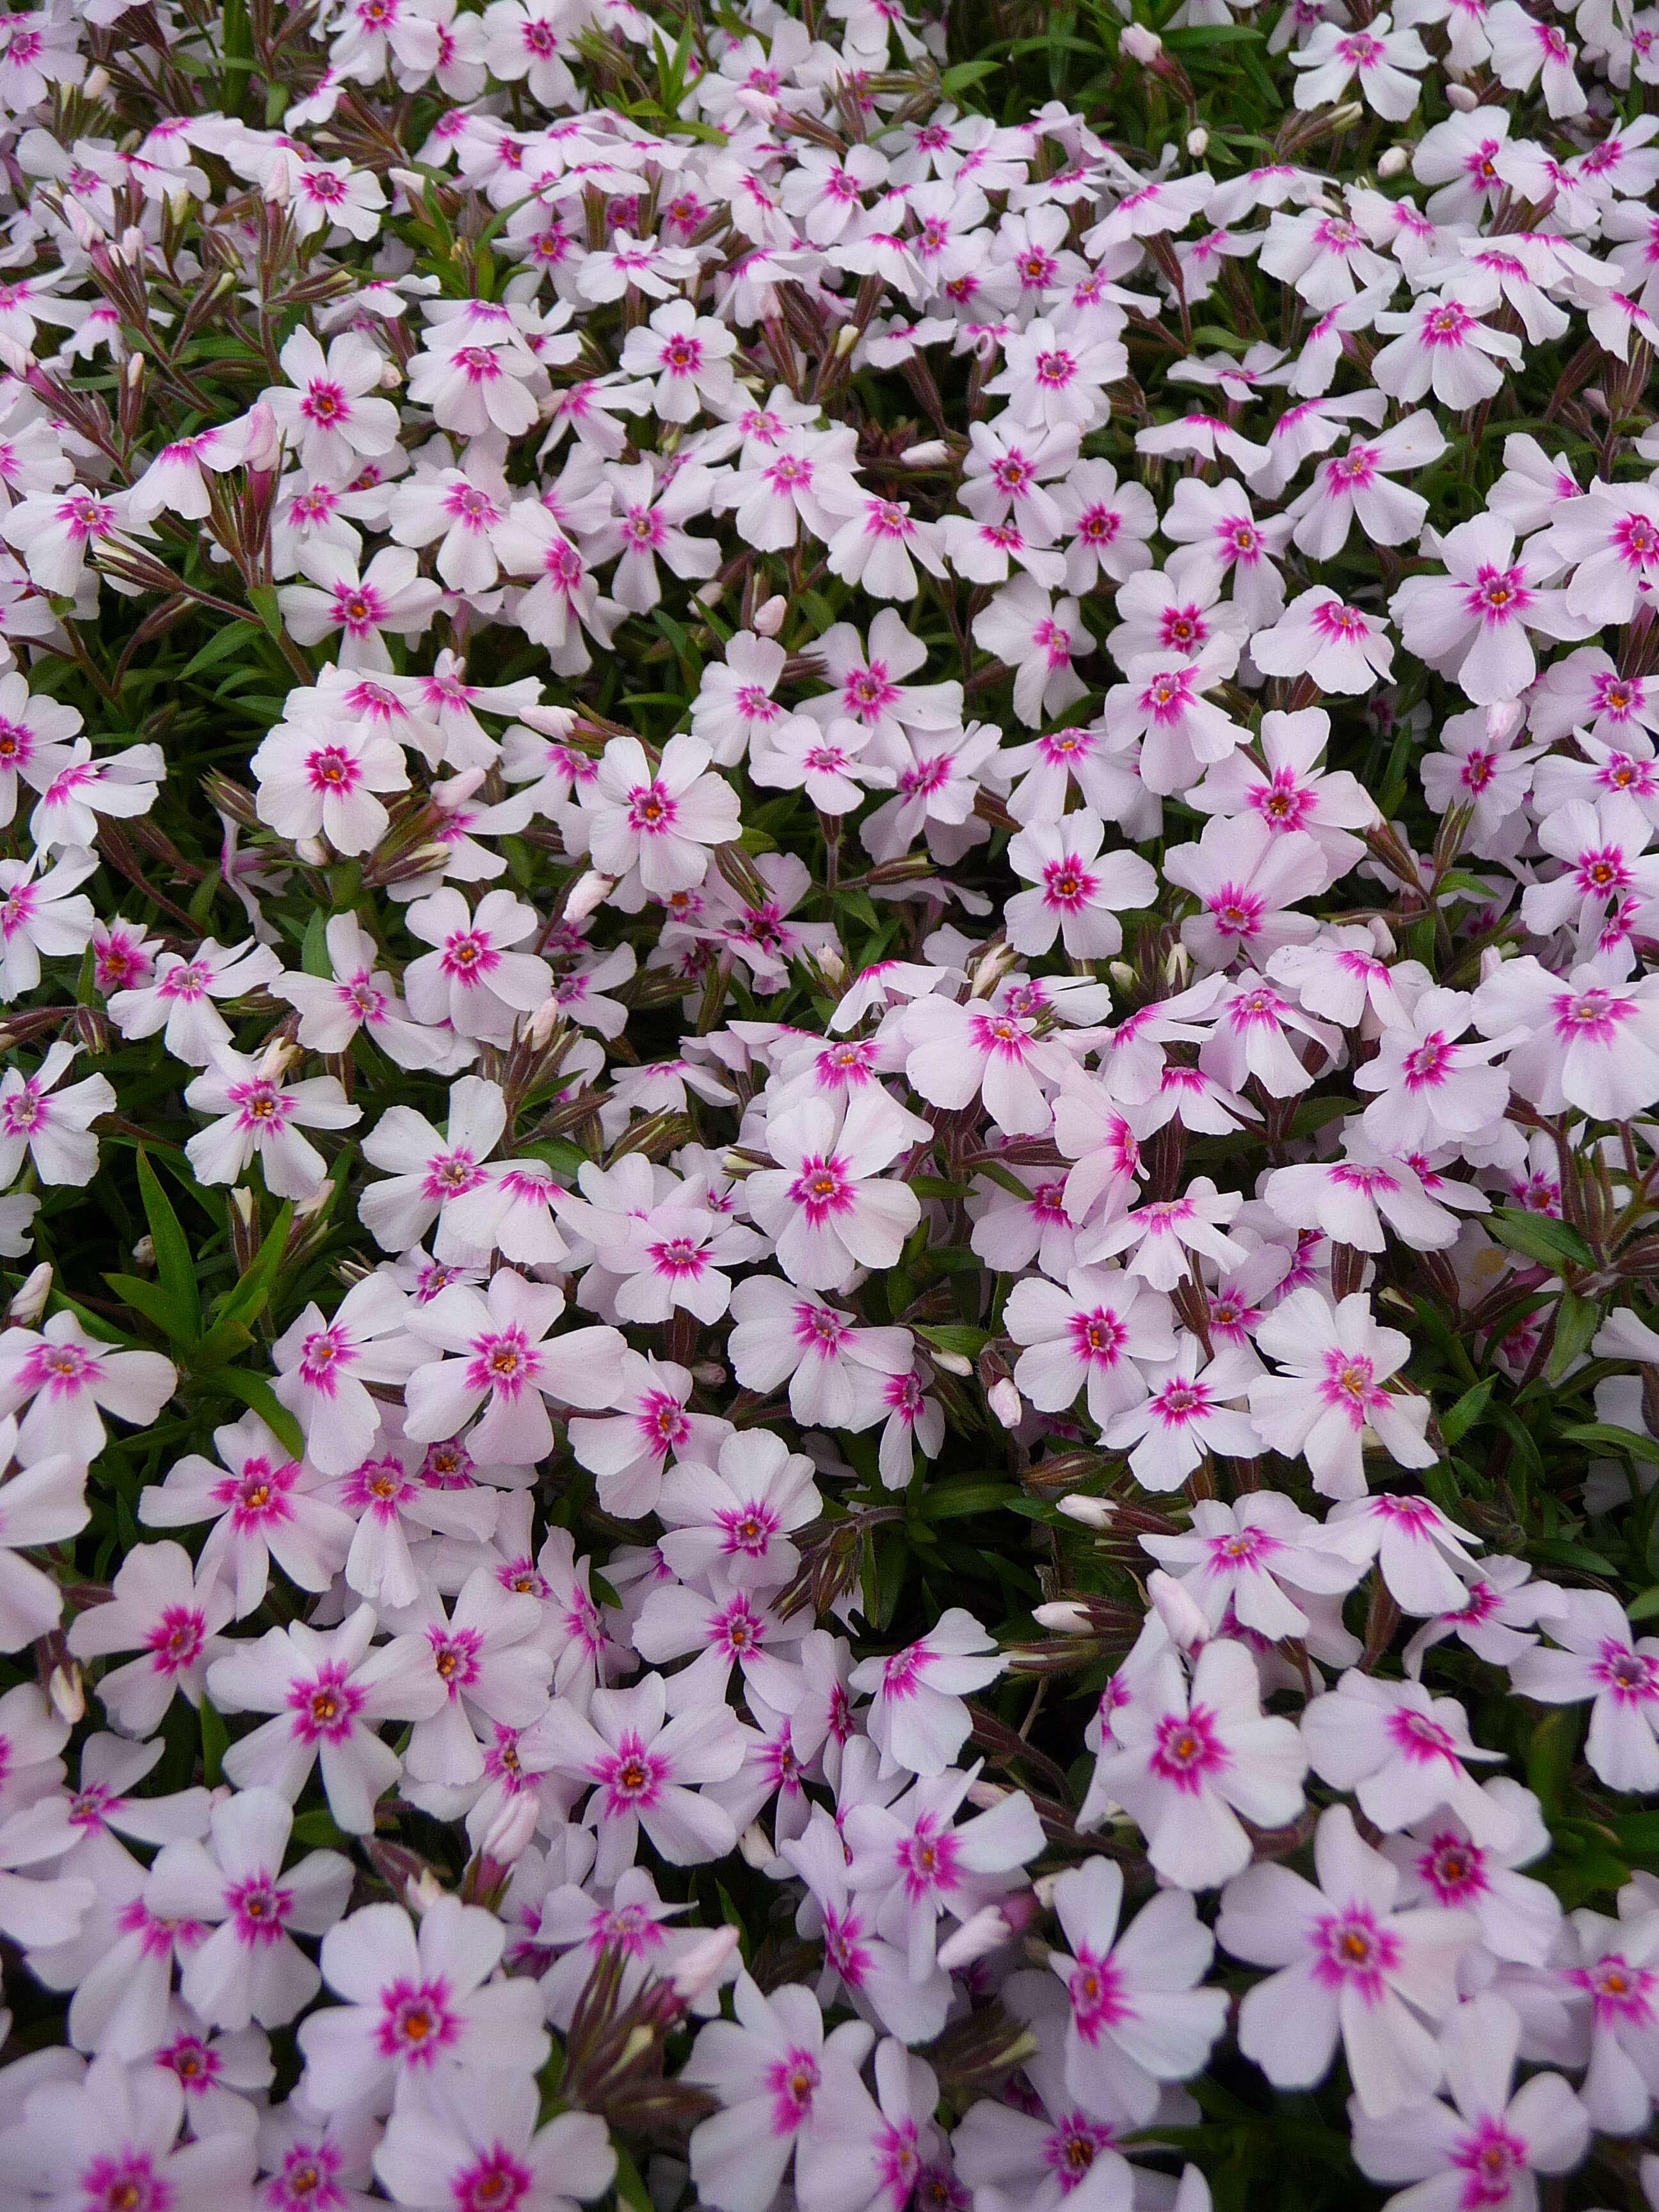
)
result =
(829, 921)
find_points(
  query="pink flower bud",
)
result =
(1062, 1618)
(1004, 1399)
(700, 1964)
(509, 1834)
(1178, 1609)
(1091, 1512)
(1140, 44)
(591, 892)
(985, 1932)
(30, 1303)
(264, 449)
(769, 615)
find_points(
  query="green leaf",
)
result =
(155, 1304)
(1631, 1442)
(247, 1301)
(1458, 1419)
(955, 1336)
(1644, 1606)
(254, 1390)
(175, 1266)
(950, 1501)
(630, 2189)
(220, 647)
(1576, 1320)
(263, 598)
(1540, 1237)
(314, 951)
(319, 1831)
(223, 1343)
(215, 1742)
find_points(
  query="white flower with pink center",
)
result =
(918, 1718)
(916, 1865)
(1251, 1561)
(474, 2146)
(249, 1967)
(169, 1612)
(645, 1771)
(501, 1358)
(323, 1367)
(650, 826)
(1438, 342)
(828, 1206)
(1578, 1040)
(324, 410)
(65, 1377)
(737, 1517)
(1485, 2149)
(1599, 1660)
(1094, 1334)
(628, 1453)
(688, 354)
(474, 977)
(106, 2140)
(262, 1503)
(260, 1118)
(1162, 704)
(1342, 649)
(1440, 1864)
(319, 779)
(837, 1371)
(1191, 1410)
(328, 1693)
(1138, 2017)
(1404, 1754)
(1331, 1395)
(428, 1171)
(52, 1128)
(1349, 1967)
(771, 2067)
(358, 996)
(180, 1000)
(416, 2004)
(1080, 892)
(1185, 1760)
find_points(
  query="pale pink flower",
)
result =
(1403, 1754)
(1379, 56)
(1488, 2148)
(477, 2143)
(1357, 485)
(329, 1693)
(1473, 624)
(878, 544)
(1331, 1392)
(1440, 1864)
(502, 1360)
(111, 2133)
(248, 1967)
(1138, 2017)
(52, 1128)
(325, 411)
(1093, 1334)
(1246, 878)
(260, 1118)
(1080, 891)
(1440, 344)
(1584, 1042)
(737, 1518)
(917, 1719)
(957, 1052)
(1251, 1560)
(319, 779)
(428, 1172)
(417, 2003)
(169, 1611)
(650, 828)
(1191, 1410)
(1162, 704)
(689, 356)
(391, 593)
(914, 1863)
(626, 1454)
(1341, 648)
(1184, 1760)
(179, 999)
(323, 1368)
(1037, 638)
(1350, 1967)
(1357, 1199)
(358, 994)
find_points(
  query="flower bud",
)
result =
(1004, 1399)
(1462, 99)
(1198, 143)
(30, 1303)
(701, 1965)
(543, 1022)
(588, 896)
(509, 1834)
(769, 615)
(66, 1688)
(846, 338)
(755, 1848)
(1063, 1617)
(264, 449)
(953, 1363)
(985, 1931)
(1092, 1512)
(97, 82)
(390, 376)
(932, 455)
(711, 593)
(1178, 1609)
(1393, 162)
(1140, 44)
(422, 1891)
(143, 1252)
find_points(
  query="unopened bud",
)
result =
(1063, 1617)
(1504, 720)
(1140, 44)
(953, 1362)
(315, 854)
(769, 615)
(66, 1688)
(1349, 112)
(1198, 143)
(755, 1848)
(1462, 99)
(422, 1891)
(711, 593)
(992, 964)
(135, 372)
(846, 338)
(543, 1022)
(1004, 1399)
(588, 894)
(830, 965)
(265, 439)
(1178, 1609)
(932, 455)
(30, 1303)
(97, 82)
(180, 201)
(508, 1836)
(143, 1252)
(390, 376)
(709, 1374)
(1092, 1512)
(1393, 162)
(701, 1964)
(984, 1932)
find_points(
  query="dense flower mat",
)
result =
(829, 919)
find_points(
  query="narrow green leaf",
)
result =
(156, 1306)
(1540, 1237)
(254, 1390)
(1458, 1419)
(215, 1742)
(220, 647)
(248, 1299)
(176, 1264)
(313, 952)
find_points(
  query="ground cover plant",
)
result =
(830, 944)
